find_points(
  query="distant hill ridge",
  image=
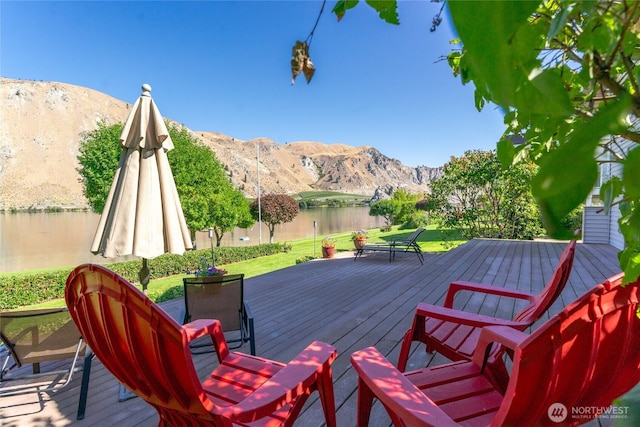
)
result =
(41, 126)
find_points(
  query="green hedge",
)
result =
(17, 290)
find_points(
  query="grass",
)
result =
(432, 240)
(323, 195)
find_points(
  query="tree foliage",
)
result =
(229, 209)
(207, 196)
(407, 202)
(199, 177)
(275, 209)
(572, 93)
(98, 156)
(565, 75)
(428, 204)
(480, 199)
(388, 209)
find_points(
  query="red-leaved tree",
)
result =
(275, 209)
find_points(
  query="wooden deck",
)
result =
(349, 304)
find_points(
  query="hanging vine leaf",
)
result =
(342, 6)
(301, 62)
(557, 23)
(506, 151)
(609, 191)
(631, 174)
(387, 9)
(561, 185)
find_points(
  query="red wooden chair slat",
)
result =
(454, 333)
(474, 407)
(583, 357)
(146, 350)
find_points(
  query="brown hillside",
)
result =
(40, 129)
(42, 123)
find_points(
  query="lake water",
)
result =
(45, 240)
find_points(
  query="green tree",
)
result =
(519, 213)
(98, 156)
(208, 197)
(388, 209)
(429, 204)
(565, 74)
(199, 176)
(229, 209)
(275, 209)
(407, 202)
(480, 199)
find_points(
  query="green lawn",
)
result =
(323, 195)
(432, 240)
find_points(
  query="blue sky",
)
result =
(224, 66)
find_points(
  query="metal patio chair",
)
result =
(37, 337)
(220, 297)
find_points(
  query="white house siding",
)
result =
(615, 237)
(595, 225)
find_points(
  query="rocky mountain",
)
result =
(42, 124)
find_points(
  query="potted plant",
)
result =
(328, 247)
(359, 238)
(206, 270)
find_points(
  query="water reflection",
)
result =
(329, 220)
(46, 240)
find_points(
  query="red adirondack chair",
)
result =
(454, 333)
(573, 365)
(146, 350)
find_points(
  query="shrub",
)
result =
(415, 220)
(573, 221)
(18, 290)
(305, 259)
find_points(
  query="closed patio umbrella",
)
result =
(142, 215)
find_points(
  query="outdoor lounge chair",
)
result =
(409, 244)
(39, 336)
(221, 298)
(454, 333)
(564, 373)
(148, 352)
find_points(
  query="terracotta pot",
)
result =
(328, 252)
(359, 243)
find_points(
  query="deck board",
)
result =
(349, 304)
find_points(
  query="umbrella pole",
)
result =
(144, 274)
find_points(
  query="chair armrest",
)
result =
(395, 391)
(203, 327)
(293, 380)
(246, 311)
(247, 326)
(405, 243)
(508, 337)
(463, 317)
(455, 287)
